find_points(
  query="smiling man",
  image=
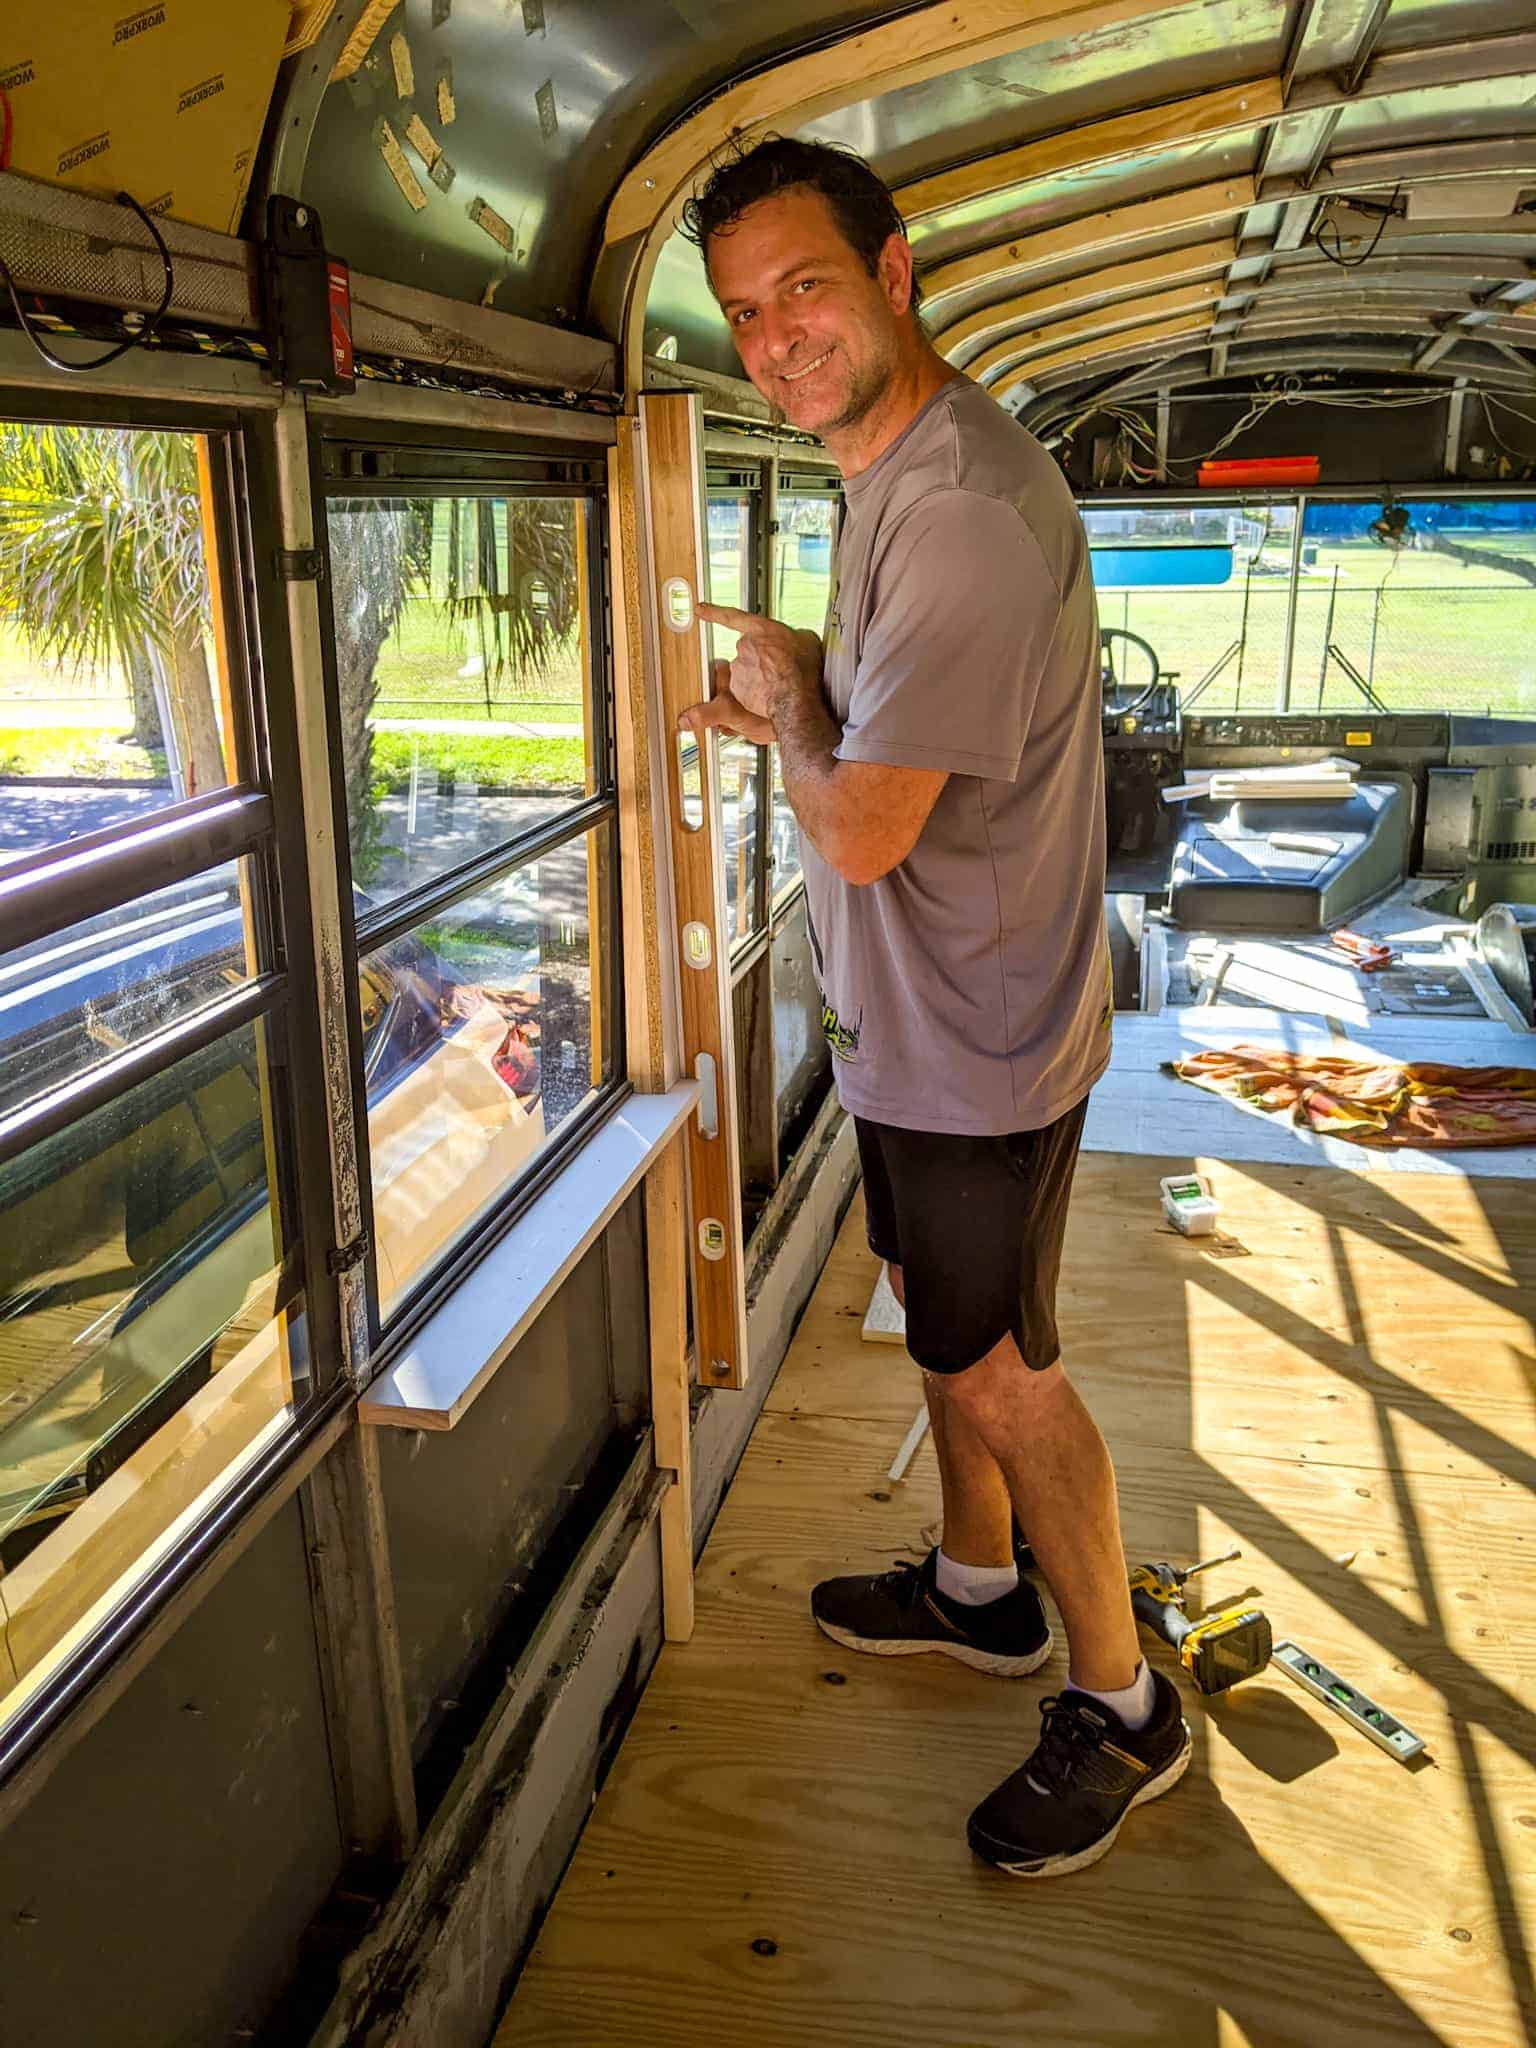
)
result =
(940, 746)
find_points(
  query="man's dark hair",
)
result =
(861, 203)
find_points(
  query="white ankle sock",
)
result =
(975, 1585)
(1134, 1703)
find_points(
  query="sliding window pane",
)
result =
(144, 1350)
(484, 1030)
(802, 557)
(731, 582)
(71, 1001)
(113, 686)
(740, 782)
(802, 585)
(464, 651)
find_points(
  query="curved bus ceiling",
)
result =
(1099, 192)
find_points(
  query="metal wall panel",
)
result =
(551, 100)
(155, 1892)
(473, 1510)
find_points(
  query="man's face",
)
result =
(816, 334)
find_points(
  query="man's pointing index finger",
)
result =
(728, 616)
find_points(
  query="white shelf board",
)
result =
(452, 1357)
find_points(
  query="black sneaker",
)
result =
(1062, 1809)
(900, 1612)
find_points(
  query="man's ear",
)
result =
(895, 272)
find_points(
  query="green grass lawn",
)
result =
(1428, 632)
(552, 764)
(83, 753)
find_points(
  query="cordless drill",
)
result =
(1220, 1649)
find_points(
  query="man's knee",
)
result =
(1000, 1383)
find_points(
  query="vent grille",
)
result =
(1510, 849)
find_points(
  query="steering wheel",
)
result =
(1126, 663)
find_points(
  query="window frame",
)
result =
(749, 481)
(361, 459)
(60, 884)
(795, 481)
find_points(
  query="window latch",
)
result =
(299, 565)
(343, 1257)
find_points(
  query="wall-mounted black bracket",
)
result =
(306, 301)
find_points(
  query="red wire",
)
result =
(5, 130)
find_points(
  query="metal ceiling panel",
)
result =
(1001, 216)
(550, 100)
(682, 306)
(995, 106)
(1457, 113)
(1414, 22)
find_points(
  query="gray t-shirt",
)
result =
(968, 990)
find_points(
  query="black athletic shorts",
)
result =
(976, 1225)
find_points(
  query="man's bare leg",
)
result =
(1058, 1471)
(978, 1515)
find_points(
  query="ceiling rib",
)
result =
(926, 43)
(1107, 320)
(1090, 234)
(1177, 266)
(1365, 47)
(1152, 336)
(1122, 227)
(1261, 104)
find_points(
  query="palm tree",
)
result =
(505, 569)
(101, 561)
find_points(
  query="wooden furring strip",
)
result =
(1094, 234)
(1108, 345)
(673, 426)
(1154, 307)
(1178, 266)
(927, 43)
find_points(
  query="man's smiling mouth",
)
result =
(794, 376)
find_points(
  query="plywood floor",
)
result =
(778, 1857)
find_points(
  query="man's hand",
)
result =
(721, 712)
(772, 663)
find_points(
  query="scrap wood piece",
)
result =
(405, 71)
(447, 106)
(485, 217)
(423, 141)
(399, 167)
(909, 1444)
(885, 1320)
(1380, 1103)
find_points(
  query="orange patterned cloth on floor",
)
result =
(1375, 1103)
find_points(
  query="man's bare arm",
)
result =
(863, 817)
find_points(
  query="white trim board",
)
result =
(452, 1357)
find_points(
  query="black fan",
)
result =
(1394, 529)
